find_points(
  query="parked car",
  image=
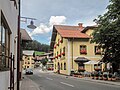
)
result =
(29, 71)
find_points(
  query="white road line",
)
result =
(67, 84)
(49, 78)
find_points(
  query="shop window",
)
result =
(64, 66)
(83, 49)
(97, 50)
(4, 43)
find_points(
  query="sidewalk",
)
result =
(117, 82)
(27, 84)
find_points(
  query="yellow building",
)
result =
(28, 61)
(72, 48)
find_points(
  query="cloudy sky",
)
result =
(67, 12)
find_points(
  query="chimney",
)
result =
(80, 25)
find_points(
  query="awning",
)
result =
(81, 59)
(92, 62)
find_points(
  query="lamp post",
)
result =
(32, 26)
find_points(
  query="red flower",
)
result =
(83, 51)
(61, 40)
(63, 53)
(59, 55)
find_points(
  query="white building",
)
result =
(8, 40)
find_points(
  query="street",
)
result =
(51, 81)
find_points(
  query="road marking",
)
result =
(67, 84)
(49, 78)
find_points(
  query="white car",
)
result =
(29, 71)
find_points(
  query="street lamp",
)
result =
(31, 26)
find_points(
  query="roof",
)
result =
(28, 52)
(71, 31)
(81, 59)
(89, 27)
(72, 34)
(67, 32)
(25, 35)
(39, 53)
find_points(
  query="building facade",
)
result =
(8, 40)
(72, 48)
(28, 61)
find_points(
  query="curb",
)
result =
(98, 81)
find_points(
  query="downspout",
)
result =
(68, 61)
(72, 53)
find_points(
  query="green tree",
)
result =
(107, 35)
(44, 61)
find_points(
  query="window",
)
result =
(15, 3)
(27, 66)
(83, 49)
(28, 62)
(64, 66)
(97, 50)
(60, 51)
(63, 53)
(4, 43)
(55, 66)
(28, 58)
(61, 40)
(61, 66)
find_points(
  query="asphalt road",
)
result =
(51, 81)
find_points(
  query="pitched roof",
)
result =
(71, 31)
(25, 35)
(28, 52)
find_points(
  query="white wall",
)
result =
(4, 80)
(11, 15)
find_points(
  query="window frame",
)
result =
(4, 43)
(83, 49)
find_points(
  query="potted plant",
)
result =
(100, 77)
(109, 76)
(113, 78)
(92, 75)
(96, 76)
(105, 76)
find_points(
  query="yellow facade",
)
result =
(72, 51)
(28, 61)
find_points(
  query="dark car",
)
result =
(29, 71)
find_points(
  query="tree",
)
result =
(107, 34)
(44, 61)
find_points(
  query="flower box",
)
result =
(61, 41)
(59, 55)
(97, 69)
(56, 56)
(83, 52)
(63, 53)
(55, 46)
